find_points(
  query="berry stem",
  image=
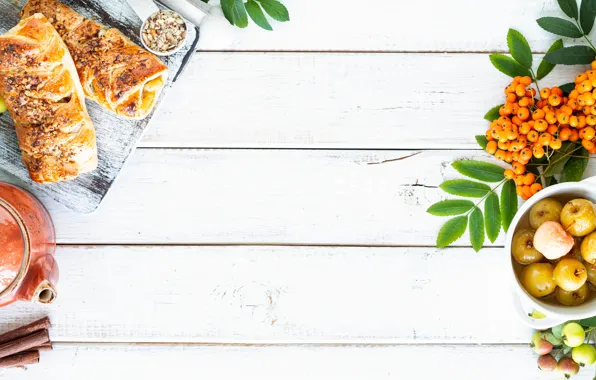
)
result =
(584, 35)
(487, 194)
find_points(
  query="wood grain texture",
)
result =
(353, 101)
(279, 295)
(269, 197)
(116, 137)
(390, 25)
(98, 362)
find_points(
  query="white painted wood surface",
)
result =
(99, 362)
(261, 294)
(395, 25)
(338, 100)
(167, 196)
(307, 262)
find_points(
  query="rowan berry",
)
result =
(591, 74)
(589, 133)
(582, 121)
(516, 157)
(520, 90)
(538, 114)
(573, 104)
(591, 120)
(526, 192)
(565, 109)
(524, 128)
(504, 145)
(574, 136)
(518, 168)
(500, 155)
(525, 80)
(554, 100)
(573, 94)
(508, 157)
(525, 101)
(509, 174)
(580, 78)
(541, 125)
(518, 191)
(545, 139)
(511, 98)
(506, 109)
(531, 93)
(573, 121)
(555, 144)
(535, 187)
(538, 152)
(556, 90)
(550, 117)
(584, 86)
(589, 145)
(523, 113)
(516, 120)
(548, 108)
(594, 65)
(589, 99)
(552, 129)
(532, 136)
(564, 134)
(545, 93)
(526, 154)
(529, 178)
(563, 118)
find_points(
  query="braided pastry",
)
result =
(114, 71)
(41, 89)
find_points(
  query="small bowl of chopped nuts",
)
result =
(164, 32)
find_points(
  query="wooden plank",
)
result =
(117, 137)
(270, 197)
(74, 362)
(271, 294)
(306, 100)
(389, 25)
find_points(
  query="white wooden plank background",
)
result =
(280, 295)
(340, 100)
(396, 25)
(306, 261)
(98, 362)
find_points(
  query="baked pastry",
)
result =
(115, 72)
(41, 89)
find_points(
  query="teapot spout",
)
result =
(40, 283)
(44, 294)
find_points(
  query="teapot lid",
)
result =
(12, 246)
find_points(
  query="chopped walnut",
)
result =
(164, 31)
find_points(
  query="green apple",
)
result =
(573, 334)
(584, 354)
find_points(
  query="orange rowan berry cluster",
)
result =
(530, 127)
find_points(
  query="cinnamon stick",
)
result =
(25, 343)
(44, 347)
(40, 324)
(19, 360)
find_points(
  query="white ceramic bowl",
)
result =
(523, 301)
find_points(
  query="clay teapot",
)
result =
(28, 270)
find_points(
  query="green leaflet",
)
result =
(482, 141)
(545, 66)
(508, 65)
(450, 207)
(569, 7)
(465, 188)
(519, 48)
(571, 55)
(492, 217)
(476, 227)
(451, 231)
(493, 113)
(256, 14)
(480, 170)
(508, 204)
(559, 26)
(587, 14)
